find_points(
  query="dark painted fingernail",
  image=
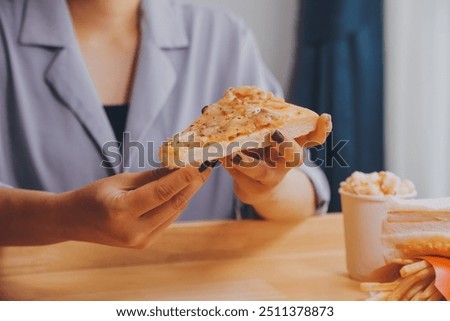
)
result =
(278, 137)
(237, 159)
(215, 163)
(204, 109)
(203, 167)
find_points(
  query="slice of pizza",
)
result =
(243, 119)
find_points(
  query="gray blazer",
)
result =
(54, 133)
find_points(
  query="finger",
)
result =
(156, 233)
(257, 170)
(256, 153)
(245, 187)
(290, 154)
(146, 235)
(158, 192)
(158, 216)
(271, 156)
(243, 180)
(319, 135)
(136, 180)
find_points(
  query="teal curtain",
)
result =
(339, 70)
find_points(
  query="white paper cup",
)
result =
(363, 218)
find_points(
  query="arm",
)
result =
(127, 210)
(27, 217)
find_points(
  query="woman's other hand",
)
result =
(126, 210)
(129, 210)
(265, 180)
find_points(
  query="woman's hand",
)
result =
(126, 210)
(257, 172)
(263, 178)
(129, 210)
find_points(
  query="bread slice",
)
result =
(243, 119)
(417, 227)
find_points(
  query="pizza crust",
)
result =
(244, 118)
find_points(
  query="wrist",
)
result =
(29, 218)
(270, 195)
(291, 200)
(66, 214)
(265, 202)
(49, 211)
(58, 210)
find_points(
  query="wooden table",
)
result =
(236, 260)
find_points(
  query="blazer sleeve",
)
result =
(321, 187)
(3, 77)
(2, 185)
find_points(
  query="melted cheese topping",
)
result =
(241, 111)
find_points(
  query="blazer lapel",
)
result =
(47, 24)
(161, 30)
(154, 80)
(70, 81)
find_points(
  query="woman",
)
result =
(74, 75)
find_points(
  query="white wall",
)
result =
(417, 93)
(274, 24)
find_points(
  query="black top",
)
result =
(117, 115)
